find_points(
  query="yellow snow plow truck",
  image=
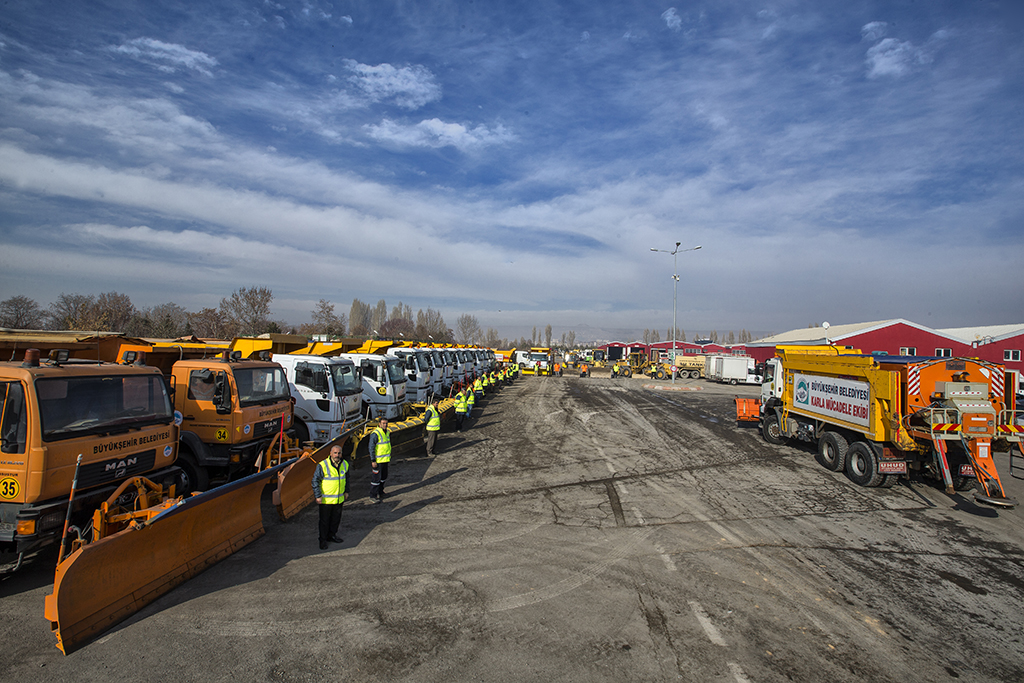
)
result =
(879, 417)
(87, 462)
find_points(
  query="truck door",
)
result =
(203, 409)
(314, 390)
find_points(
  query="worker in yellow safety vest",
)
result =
(330, 484)
(478, 387)
(433, 417)
(461, 408)
(380, 458)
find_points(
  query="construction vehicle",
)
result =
(638, 363)
(120, 418)
(88, 462)
(691, 366)
(229, 407)
(879, 417)
(326, 391)
(537, 361)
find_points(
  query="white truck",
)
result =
(327, 393)
(383, 380)
(738, 370)
(419, 373)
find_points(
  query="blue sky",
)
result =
(841, 161)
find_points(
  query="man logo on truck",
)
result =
(802, 395)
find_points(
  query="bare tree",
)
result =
(112, 312)
(431, 325)
(570, 339)
(71, 311)
(165, 321)
(359, 318)
(491, 339)
(247, 310)
(467, 329)
(730, 338)
(21, 313)
(402, 311)
(325, 321)
(397, 328)
(547, 336)
(379, 316)
(210, 323)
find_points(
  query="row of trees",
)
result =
(654, 336)
(244, 313)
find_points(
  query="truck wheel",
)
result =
(832, 449)
(862, 465)
(626, 372)
(196, 478)
(301, 432)
(695, 374)
(889, 480)
(962, 483)
(660, 374)
(732, 382)
(770, 429)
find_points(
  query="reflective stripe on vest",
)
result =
(383, 453)
(461, 402)
(333, 484)
(433, 420)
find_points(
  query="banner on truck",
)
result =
(842, 399)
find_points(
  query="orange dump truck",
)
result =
(879, 417)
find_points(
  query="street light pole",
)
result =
(675, 285)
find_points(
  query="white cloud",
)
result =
(436, 133)
(672, 19)
(167, 56)
(873, 31)
(347, 19)
(410, 87)
(891, 57)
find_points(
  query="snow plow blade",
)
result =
(294, 482)
(103, 582)
(747, 409)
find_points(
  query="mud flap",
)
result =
(980, 455)
(294, 482)
(106, 581)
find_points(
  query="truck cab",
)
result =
(327, 391)
(419, 375)
(229, 408)
(383, 381)
(119, 419)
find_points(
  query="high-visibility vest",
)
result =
(332, 486)
(478, 385)
(383, 453)
(461, 402)
(433, 419)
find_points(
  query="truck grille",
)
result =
(116, 469)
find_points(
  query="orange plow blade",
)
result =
(747, 409)
(105, 581)
(294, 482)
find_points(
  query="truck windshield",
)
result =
(261, 385)
(396, 371)
(538, 356)
(422, 362)
(346, 380)
(439, 361)
(73, 406)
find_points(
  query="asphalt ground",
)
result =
(586, 530)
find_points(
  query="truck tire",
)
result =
(694, 374)
(732, 382)
(196, 478)
(770, 428)
(626, 372)
(832, 448)
(962, 483)
(862, 465)
(889, 480)
(660, 374)
(301, 432)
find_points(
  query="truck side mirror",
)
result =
(222, 394)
